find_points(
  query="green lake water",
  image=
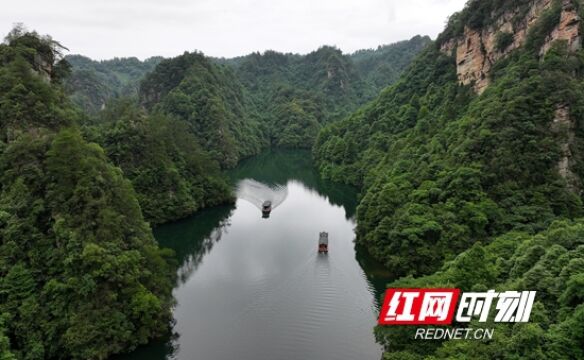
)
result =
(255, 288)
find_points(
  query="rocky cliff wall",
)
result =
(477, 50)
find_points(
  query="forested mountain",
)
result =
(172, 175)
(471, 171)
(81, 276)
(93, 83)
(470, 164)
(224, 110)
(211, 100)
(296, 94)
(236, 107)
(382, 67)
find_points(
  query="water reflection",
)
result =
(377, 275)
(252, 289)
(278, 167)
(193, 238)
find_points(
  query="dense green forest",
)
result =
(159, 151)
(172, 175)
(167, 122)
(382, 67)
(457, 189)
(550, 262)
(81, 276)
(92, 84)
(465, 190)
(295, 95)
(210, 99)
(92, 152)
(236, 107)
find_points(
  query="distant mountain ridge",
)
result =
(383, 66)
(236, 107)
(93, 83)
(340, 78)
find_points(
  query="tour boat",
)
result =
(323, 243)
(266, 208)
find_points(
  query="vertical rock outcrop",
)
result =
(565, 126)
(43, 67)
(568, 29)
(477, 50)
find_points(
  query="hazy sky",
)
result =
(103, 29)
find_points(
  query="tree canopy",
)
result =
(468, 191)
(81, 276)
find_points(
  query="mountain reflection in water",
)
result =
(252, 289)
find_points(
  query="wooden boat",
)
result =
(323, 243)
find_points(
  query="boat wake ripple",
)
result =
(257, 193)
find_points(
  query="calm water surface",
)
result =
(252, 288)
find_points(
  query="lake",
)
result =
(255, 288)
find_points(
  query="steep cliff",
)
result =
(477, 148)
(441, 166)
(476, 50)
(564, 125)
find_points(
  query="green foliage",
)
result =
(426, 95)
(173, 177)
(503, 40)
(544, 26)
(442, 170)
(382, 67)
(464, 191)
(41, 52)
(27, 102)
(551, 263)
(93, 84)
(5, 353)
(236, 107)
(326, 76)
(81, 276)
(159, 153)
(479, 14)
(296, 95)
(294, 123)
(210, 99)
